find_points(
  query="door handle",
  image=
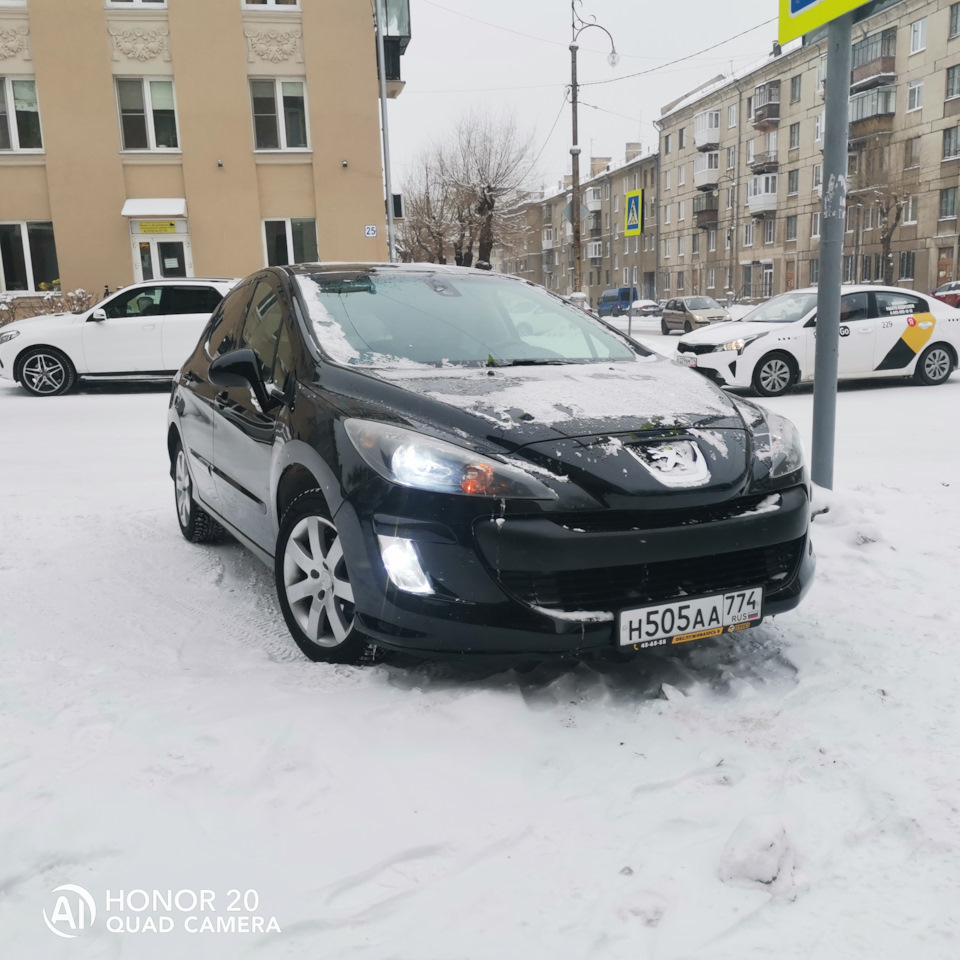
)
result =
(864, 330)
(149, 326)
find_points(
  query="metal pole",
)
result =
(380, 20)
(836, 128)
(575, 156)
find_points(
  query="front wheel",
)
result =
(664, 329)
(934, 366)
(773, 375)
(687, 326)
(313, 585)
(46, 372)
(196, 524)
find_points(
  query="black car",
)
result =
(446, 460)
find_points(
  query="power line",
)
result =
(556, 120)
(689, 56)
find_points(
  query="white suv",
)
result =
(143, 331)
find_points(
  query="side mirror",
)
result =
(98, 314)
(240, 368)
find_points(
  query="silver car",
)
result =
(688, 313)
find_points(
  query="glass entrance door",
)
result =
(161, 258)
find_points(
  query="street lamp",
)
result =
(577, 26)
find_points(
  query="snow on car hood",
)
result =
(730, 330)
(570, 400)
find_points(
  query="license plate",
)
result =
(688, 360)
(695, 618)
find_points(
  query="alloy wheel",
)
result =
(182, 488)
(936, 364)
(775, 376)
(44, 373)
(316, 584)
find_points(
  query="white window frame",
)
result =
(868, 217)
(680, 210)
(791, 222)
(666, 213)
(953, 72)
(748, 234)
(6, 97)
(666, 248)
(911, 208)
(281, 125)
(666, 179)
(818, 176)
(731, 116)
(711, 277)
(148, 114)
(918, 36)
(129, 4)
(288, 224)
(681, 246)
(815, 224)
(769, 231)
(711, 240)
(914, 96)
(682, 175)
(27, 258)
(269, 5)
(818, 127)
(792, 145)
(695, 245)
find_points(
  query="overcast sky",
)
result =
(503, 55)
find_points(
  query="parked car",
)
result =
(143, 331)
(687, 313)
(646, 308)
(884, 332)
(451, 461)
(949, 293)
(614, 302)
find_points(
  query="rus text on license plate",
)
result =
(688, 360)
(695, 618)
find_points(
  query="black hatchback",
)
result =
(444, 460)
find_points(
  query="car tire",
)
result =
(774, 374)
(196, 524)
(934, 366)
(664, 329)
(46, 372)
(687, 326)
(313, 585)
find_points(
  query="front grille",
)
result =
(612, 588)
(605, 521)
(697, 348)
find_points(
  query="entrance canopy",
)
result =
(155, 207)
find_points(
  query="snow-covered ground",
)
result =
(789, 793)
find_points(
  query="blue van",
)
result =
(617, 301)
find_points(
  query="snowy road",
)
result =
(793, 793)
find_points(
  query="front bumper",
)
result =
(724, 367)
(554, 586)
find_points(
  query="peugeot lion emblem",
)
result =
(675, 463)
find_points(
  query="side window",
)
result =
(283, 365)
(192, 299)
(261, 332)
(854, 306)
(898, 304)
(140, 302)
(225, 334)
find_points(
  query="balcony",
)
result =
(762, 195)
(706, 170)
(706, 130)
(593, 199)
(705, 210)
(595, 232)
(546, 242)
(765, 162)
(766, 106)
(874, 61)
(872, 112)
(596, 261)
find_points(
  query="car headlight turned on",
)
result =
(786, 447)
(740, 343)
(412, 459)
(9, 335)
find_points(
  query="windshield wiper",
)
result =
(534, 362)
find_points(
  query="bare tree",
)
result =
(885, 177)
(467, 194)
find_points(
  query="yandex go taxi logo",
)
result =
(72, 913)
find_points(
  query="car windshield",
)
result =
(783, 309)
(702, 303)
(392, 318)
(949, 287)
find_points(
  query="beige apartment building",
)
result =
(543, 251)
(149, 138)
(741, 163)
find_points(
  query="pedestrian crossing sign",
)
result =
(633, 220)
